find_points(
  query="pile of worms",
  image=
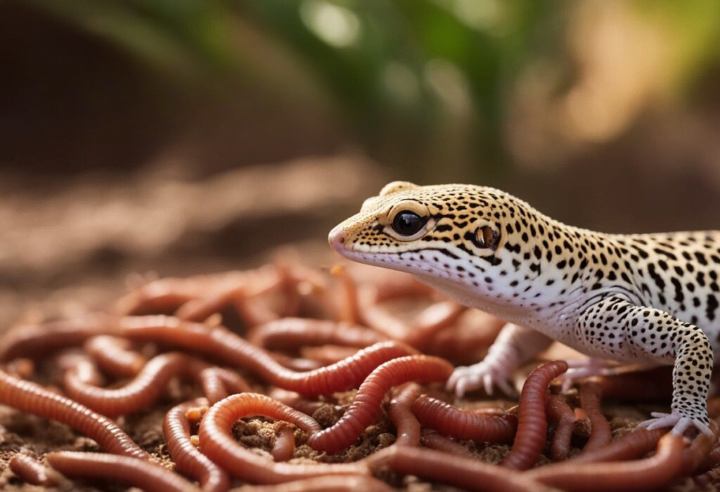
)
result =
(288, 378)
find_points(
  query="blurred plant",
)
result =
(427, 83)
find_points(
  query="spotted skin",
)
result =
(641, 299)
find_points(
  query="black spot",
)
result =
(679, 296)
(712, 305)
(656, 278)
(700, 258)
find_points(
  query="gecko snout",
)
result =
(337, 239)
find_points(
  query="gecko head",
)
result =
(445, 232)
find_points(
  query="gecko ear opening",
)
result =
(487, 236)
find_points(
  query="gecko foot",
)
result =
(678, 423)
(484, 375)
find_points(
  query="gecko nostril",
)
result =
(337, 239)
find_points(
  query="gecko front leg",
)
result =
(618, 328)
(514, 346)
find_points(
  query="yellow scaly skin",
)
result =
(645, 299)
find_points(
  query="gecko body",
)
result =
(644, 299)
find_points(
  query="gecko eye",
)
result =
(407, 223)
(486, 237)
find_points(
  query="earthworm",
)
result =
(34, 341)
(366, 406)
(463, 424)
(464, 341)
(144, 301)
(649, 385)
(645, 474)
(562, 416)
(633, 444)
(590, 397)
(294, 400)
(290, 333)
(401, 414)
(147, 475)
(83, 368)
(384, 286)
(383, 322)
(327, 354)
(284, 445)
(697, 453)
(166, 295)
(139, 393)
(433, 440)
(458, 471)
(349, 309)
(188, 459)
(532, 421)
(713, 407)
(336, 483)
(32, 398)
(709, 467)
(229, 348)
(415, 333)
(114, 355)
(198, 310)
(431, 320)
(31, 471)
(298, 364)
(218, 383)
(218, 444)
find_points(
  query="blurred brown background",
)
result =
(191, 136)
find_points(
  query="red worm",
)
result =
(168, 294)
(636, 443)
(217, 443)
(290, 333)
(294, 400)
(229, 348)
(349, 309)
(144, 474)
(646, 474)
(188, 460)
(431, 439)
(401, 414)
(82, 366)
(561, 415)
(708, 467)
(114, 355)
(463, 424)
(590, 397)
(458, 471)
(139, 393)
(532, 421)
(152, 299)
(218, 383)
(199, 310)
(697, 453)
(327, 354)
(31, 471)
(335, 483)
(431, 320)
(649, 385)
(29, 397)
(284, 445)
(34, 341)
(366, 406)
